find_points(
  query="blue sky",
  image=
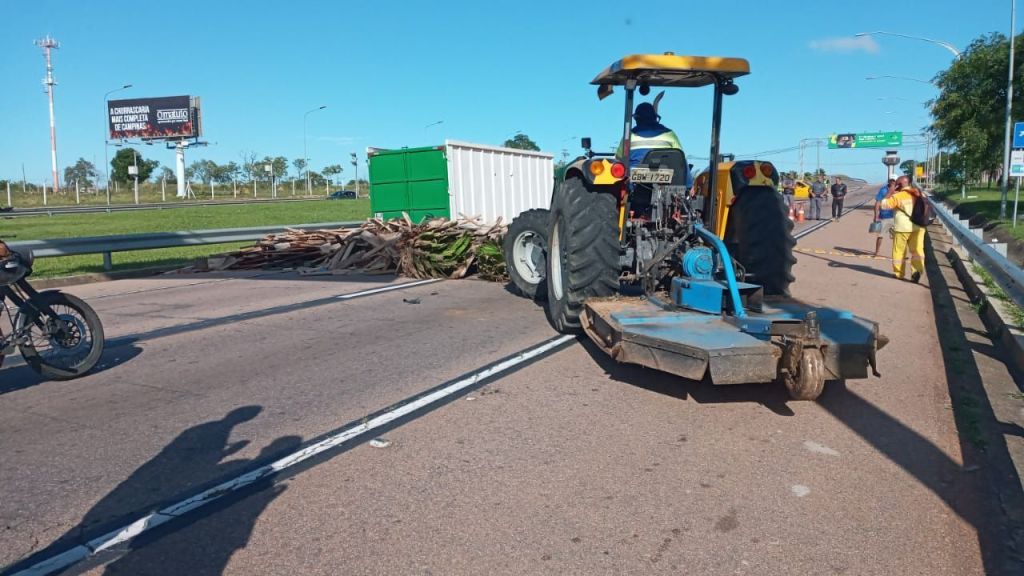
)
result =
(386, 70)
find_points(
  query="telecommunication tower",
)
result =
(48, 44)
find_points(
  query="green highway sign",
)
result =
(866, 140)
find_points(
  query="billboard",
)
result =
(866, 140)
(170, 117)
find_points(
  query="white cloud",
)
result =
(846, 44)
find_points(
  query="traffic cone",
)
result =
(800, 214)
(791, 215)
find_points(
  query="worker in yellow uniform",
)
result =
(906, 234)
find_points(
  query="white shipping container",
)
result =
(495, 182)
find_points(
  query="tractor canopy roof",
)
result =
(669, 70)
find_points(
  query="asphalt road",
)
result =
(567, 464)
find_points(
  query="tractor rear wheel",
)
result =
(583, 252)
(525, 247)
(760, 237)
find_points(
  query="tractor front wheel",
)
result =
(809, 380)
(583, 252)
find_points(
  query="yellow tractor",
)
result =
(689, 279)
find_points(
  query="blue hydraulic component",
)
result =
(730, 274)
(699, 263)
(700, 295)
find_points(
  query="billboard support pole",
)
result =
(179, 165)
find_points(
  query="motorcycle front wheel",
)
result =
(62, 337)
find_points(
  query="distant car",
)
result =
(342, 195)
(801, 190)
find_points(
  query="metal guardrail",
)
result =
(1008, 275)
(106, 245)
(91, 209)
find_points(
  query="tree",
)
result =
(203, 170)
(970, 110)
(907, 167)
(522, 142)
(248, 167)
(167, 174)
(278, 163)
(364, 186)
(300, 165)
(126, 157)
(82, 172)
(332, 171)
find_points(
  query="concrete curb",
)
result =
(993, 312)
(60, 282)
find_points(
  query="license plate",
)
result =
(648, 176)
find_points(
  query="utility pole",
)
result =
(1008, 136)
(48, 44)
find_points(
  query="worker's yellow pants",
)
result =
(901, 241)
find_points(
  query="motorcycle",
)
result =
(59, 335)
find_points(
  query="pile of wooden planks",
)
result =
(437, 248)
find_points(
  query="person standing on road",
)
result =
(788, 191)
(906, 234)
(818, 192)
(838, 193)
(883, 216)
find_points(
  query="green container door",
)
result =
(413, 180)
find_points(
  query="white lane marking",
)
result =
(821, 225)
(799, 490)
(820, 448)
(126, 533)
(389, 288)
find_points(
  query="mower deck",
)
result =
(730, 350)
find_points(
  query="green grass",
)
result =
(997, 293)
(152, 193)
(986, 203)
(195, 218)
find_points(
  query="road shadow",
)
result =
(196, 460)
(840, 263)
(994, 499)
(232, 319)
(962, 488)
(772, 396)
(202, 544)
(856, 251)
(16, 375)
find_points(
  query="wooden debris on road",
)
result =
(436, 248)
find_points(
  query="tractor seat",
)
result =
(671, 158)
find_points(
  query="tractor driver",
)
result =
(649, 133)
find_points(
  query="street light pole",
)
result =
(945, 45)
(106, 117)
(1007, 138)
(355, 164)
(305, 150)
